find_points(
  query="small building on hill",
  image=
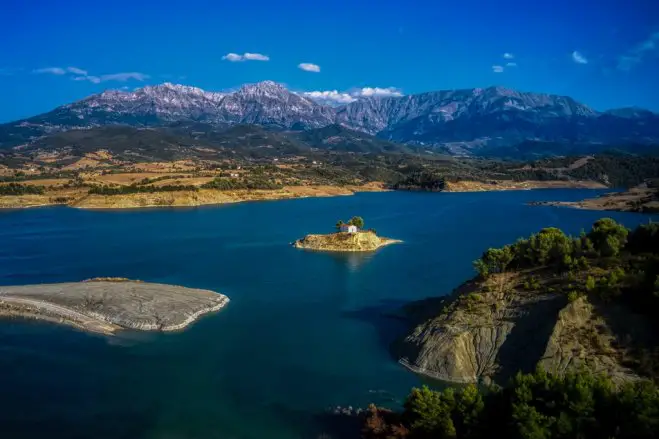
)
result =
(349, 228)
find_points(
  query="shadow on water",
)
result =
(338, 426)
(117, 425)
(387, 319)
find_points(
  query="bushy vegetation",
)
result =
(610, 261)
(533, 406)
(255, 182)
(616, 170)
(421, 180)
(135, 189)
(356, 221)
(20, 189)
(151, 180)
(552, 247)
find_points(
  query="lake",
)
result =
(303, 331)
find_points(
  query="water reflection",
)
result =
(352, 260)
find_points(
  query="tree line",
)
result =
(258, 182)
(21, 189)
(539, 405)
(135, 189)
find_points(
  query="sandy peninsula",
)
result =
(108, 305)
(366, 241)
(641, 199)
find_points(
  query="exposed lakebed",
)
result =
(304, 330)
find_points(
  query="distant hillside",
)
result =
(183, 140)
(494, 121)
(339, 138)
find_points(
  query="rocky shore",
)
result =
(490, 329)
(344, 242)
(109, 305)
(81, 199)
(511, 185)
(638, 199)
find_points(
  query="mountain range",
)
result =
(470, 122)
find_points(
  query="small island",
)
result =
(349, 237)
(107, 305)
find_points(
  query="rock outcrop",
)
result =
(488, 330)
(344, 242)
(108, 305)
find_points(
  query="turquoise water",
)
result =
(303, 331)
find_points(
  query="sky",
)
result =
(604, 53)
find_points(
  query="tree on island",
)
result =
(356, 221)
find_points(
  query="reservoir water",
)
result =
(303, 331)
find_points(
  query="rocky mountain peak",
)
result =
(264, 88)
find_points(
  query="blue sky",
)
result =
(604, 53)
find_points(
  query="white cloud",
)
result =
(511, 64)
(508, 55)
(76, 71)
(123, 77)
(330, 96)
(376, 91)
(256, 57)
(120, 77)
(497, 69)
(92, 79)
(578, 58)
(308, 67)
(51, 70)
(345, 97)
(234, 57)
(637, 53)
(82, 75)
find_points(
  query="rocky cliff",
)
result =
(490, 329)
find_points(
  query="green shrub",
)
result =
(20, 189)
(572, 296)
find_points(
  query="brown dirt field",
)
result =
(84, 162)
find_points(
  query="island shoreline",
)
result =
(158, 200)
(111, 306)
